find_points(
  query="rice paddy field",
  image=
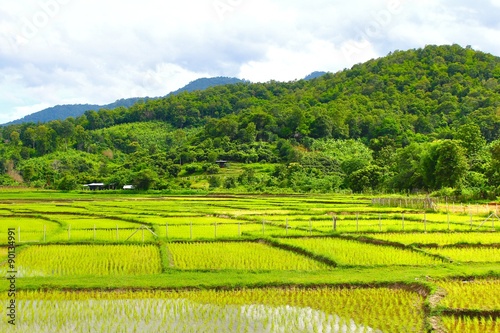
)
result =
(128, 263)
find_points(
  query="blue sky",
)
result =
(73, 51)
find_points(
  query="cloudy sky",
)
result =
(94, 51)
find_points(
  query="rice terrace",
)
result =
(85, 262)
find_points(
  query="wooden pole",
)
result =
(69, 232)
(117, 232)
(425, 222)
(334, 223)
(239, 229)
(448, 218)
(403, 220)
(286, 227)
(380, 222)
(263, 227)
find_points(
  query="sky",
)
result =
(56, 52)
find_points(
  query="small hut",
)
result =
(222, 163)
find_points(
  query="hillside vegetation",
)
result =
(425, 119)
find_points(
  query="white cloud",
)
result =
(285, 64)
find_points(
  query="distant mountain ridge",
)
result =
(61, 112)
(205, 83)
(314, 75)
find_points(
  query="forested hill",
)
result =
(425, 119)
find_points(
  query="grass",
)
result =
(439, 238)
(265, 309)
(74, 260)
(237, 255)
(479, 294)
(353, 253)
(238, 278)
(469, 254)
(239, 221)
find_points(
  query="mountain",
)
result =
(424, 119)
(61, 112)
(314, 75)
(205, 83)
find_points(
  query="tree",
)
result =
(366, 179)
(145, 179)
(407, 168)
(444, 164)
(214, 181)
(15, 138)
(249, 133)
(67, 132)
(286, 150)
(31, 136)
(67, 183)
(472, 140)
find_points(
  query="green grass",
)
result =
(478, 294)
(239, 219)
(74, 260)
(237, 255)
(471, 325)
(440, 238)
(353, 253)
(469, 254)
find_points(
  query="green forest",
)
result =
(424, 120)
